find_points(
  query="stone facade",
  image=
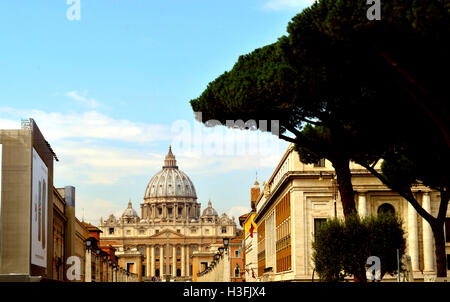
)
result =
(170, 228)
(298, 197)
(250, 237)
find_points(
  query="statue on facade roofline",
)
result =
(266, 189)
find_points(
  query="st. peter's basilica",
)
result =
(161, 241)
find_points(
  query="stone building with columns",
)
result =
(171, 226)
(298, 197)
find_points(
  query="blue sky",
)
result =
(111, 92)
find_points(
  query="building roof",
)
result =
(91, 227)
(243, 218)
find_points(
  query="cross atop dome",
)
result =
(170, 161)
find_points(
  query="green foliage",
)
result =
(327, 244)
(386, 235)
(341, 248)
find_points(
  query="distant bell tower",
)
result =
(254, 193)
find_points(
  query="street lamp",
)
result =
(226, 241)
(88, 243)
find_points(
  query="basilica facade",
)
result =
(159, 243)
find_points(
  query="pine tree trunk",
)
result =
(344, 180)
(439, 240)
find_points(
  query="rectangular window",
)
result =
(320, 163)
(224, 230)
(318, 222)
(283, 234)
(261, 248)
(130, 267)
(111, 231)
(236, 254)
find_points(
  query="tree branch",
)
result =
(287, 138)
(309, 121)
(293, 130)
(405, 193)
(443, 206)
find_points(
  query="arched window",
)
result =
(386, 208)
(157, 251)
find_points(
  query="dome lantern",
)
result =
(170, 161)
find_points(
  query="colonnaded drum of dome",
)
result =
(170, 228)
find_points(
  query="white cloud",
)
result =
(90, 124)
(97, 150)
(83, 99)
(287, 4)
(9, 124)
(220, 149)
(92, 210)
(237, 211)
(86, 163)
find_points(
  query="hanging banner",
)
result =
(39, 212)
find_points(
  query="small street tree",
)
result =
(341, 248)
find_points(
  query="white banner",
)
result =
(39, 215)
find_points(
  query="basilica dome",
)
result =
(209, 211)
(170, 181)
(129, 212)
